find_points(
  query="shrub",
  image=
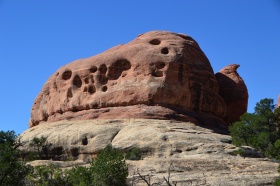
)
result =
(134, 154)
(80, 175)
(48, 175)
(277, 181)
(12, 170)
(109, 168)
(41, 148)
(240, 152)
(260, 129)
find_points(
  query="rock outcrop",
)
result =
(192, 153)
(234, 92)
(158, 70)
(158, 93)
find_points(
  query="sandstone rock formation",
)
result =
(234, 92)
(159, 75)
(159, 93)
(192, 153)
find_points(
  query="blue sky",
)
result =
(38, 37)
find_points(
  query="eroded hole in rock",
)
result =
(157, 73)
(94, 105)
(102, 79)
(54, 85)
(75, 109)
(155, 42)
(159, 65)
(178, 151)
(117, 68)
(74, 152)
(69, 93)
(85, 141)
(164, 138)
(93, 69)
(86, 80)
(77, 81)
(165, 50)
(103, 69)
(91, 89)
(66, 75)
(44, 116)
(104, 89)
(155, 69)
(57, 151)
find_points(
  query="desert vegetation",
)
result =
(108, 168)
(259, 130)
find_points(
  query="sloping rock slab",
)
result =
(192, 154)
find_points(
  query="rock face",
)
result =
(192, 153)
(156, 71)
(140, 95)
(234, 92)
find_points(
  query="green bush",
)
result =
(277, 181)
(107, 169)
(274, 150)
(47, 175)
(240, 152)
(12, 170)
(133, 154)
(41, 148)
(259, 129)
(80, 175)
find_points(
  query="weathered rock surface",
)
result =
(192, 152)
(158, 68)
(234, 92)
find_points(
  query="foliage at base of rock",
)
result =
(133, 154)
(40, 147)
(108, 168)
(13, 171)
(47, 175)
(260, 129)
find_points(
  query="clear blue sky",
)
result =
(38, 37)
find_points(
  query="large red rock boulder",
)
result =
(157, 75)
(234, 92)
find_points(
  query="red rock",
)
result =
(234, 92)
(163, 72)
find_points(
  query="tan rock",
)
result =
(190, 151)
